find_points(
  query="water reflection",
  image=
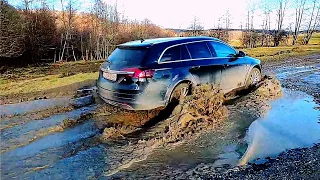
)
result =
(291, 123)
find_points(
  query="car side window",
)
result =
(171, 54)
(199, 50)
(184, 54)
(175, 53)
(223, 50)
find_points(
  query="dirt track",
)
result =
(66, 141)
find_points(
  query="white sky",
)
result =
(180, 13)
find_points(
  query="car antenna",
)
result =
(142, 40)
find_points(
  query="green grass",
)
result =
(45, 77)
(43, 83)
(281, 52)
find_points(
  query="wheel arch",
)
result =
(174, 85)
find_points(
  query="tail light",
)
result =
(138, 73)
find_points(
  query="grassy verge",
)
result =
(50, 80)
(279, 53)
(266, 54)
(43, 83)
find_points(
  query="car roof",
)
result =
(171, 40)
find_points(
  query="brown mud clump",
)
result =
(118, 122)
(201, 111)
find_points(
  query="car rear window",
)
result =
(127, 57)
(199, 50)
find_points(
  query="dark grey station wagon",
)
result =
(147, 74)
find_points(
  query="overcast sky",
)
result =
(180, 13)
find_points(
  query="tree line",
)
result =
(306, 21)
(29, 35)
(304, 11)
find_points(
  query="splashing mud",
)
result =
(129, 137)
(148, 130)
(203, 111)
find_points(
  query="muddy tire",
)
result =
(179, 92)
(253, 78)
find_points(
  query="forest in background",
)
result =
(30, 35)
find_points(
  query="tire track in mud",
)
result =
(31, 106)
(24, 134)
(33, 140)
(48, 150)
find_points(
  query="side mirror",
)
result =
(241, 54)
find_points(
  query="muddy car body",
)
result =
(145, 74)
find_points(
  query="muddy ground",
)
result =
(206, 135)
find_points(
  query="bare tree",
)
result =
(227, 23)
(195, 26)
(313, 23)
(265, 35)
(247, 38)
(279, 33)
(298, 18)
(67, 34)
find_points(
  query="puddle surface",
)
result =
(284, 72)
(47, 151)
(293, 122)
(21, 108)
(24, 133)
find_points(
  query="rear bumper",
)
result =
(128, 101)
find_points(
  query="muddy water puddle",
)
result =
(24, 107)
(292, 122)
(24, 133)
(77, 153)
(46, 151)
(223, 147)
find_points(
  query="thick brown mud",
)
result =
(203, 111)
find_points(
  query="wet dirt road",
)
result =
(67, 145)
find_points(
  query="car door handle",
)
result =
(195, 68)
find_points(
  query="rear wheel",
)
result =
(179, 92)
(254, 77)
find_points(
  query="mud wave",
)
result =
(204, 110)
